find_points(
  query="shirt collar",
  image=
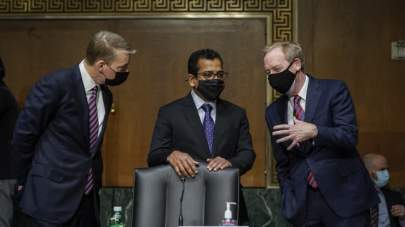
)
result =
(304, 89)
(88, 82)
(303, 92)
(198, 101)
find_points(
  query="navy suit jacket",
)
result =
(51, 145)
(8, 117)
(332, 155)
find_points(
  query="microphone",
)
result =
(183, 180)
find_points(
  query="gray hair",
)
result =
(291, 50)
(104, 45)
(369, 159)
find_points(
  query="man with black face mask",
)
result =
(202, 127)
(313, 129)
(59, 133)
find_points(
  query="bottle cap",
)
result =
(117, 209)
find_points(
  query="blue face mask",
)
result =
(383, 177)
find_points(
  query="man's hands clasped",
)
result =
(186, 166)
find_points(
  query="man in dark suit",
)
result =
(201, 127)
(8, 116)
(391, 208)
(314, 134)
(59, 134)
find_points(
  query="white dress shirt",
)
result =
(199, 102)
(383, 214)
(89, 84)
(290, 107)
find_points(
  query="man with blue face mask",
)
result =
(391, 209)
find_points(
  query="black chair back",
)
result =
(158, 190)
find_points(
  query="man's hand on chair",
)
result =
(218, 163)
(183, 164)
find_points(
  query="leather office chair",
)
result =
(158, 191)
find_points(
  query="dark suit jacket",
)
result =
(8, 116)
(332, 156)
(178, 127)
(392, 198)
(51, 143)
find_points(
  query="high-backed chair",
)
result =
(158, 191)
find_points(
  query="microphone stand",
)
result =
(183, 180)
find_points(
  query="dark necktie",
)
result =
(299, 115)
(93, 132)
(208, 125)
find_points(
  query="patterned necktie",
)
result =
(208, 125)
(374, 216)
(299, 115)
(298, 111)
(93, 132)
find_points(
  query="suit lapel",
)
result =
(81, 95)
(107, 100)
(282, 109)
(312, 99)
(191, 113)
(220, 124)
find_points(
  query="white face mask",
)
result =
(383, 177)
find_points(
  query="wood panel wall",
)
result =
(33, 48)
(351, 41)
(342, 39)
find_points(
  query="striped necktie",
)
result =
(93, 132)
(299, 115)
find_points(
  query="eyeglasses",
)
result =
(209, 75)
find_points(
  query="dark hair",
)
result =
(201, 54)
(2, 70)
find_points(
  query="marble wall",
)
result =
(263, 206)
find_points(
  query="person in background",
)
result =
(59, 133)
(8, 117)
(391, 208)
(202, 127)
(313, 128)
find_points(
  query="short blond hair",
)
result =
(291, 50)
(104, 45)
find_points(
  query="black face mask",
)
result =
(120, 77)
(282, 81)
(210, 89)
